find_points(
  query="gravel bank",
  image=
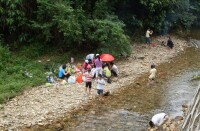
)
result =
(42, 105)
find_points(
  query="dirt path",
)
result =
(42, 105)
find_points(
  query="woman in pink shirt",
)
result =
(98, 65)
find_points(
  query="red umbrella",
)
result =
(107, 57)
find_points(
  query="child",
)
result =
(100, 85)
(88, 84)
(153, 72)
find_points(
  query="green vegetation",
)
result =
(196, 77)
(17, 73)
(30, 29)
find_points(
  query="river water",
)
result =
(133, 107)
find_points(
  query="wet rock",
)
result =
(172, 127)
(178, 118)
(141, 57)
(129, 124)
(59, 126)
(185, 106)
(164, 126)
(138, 83)
(93, 112)
(40, 124)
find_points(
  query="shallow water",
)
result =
(132, 107)
(178, 90)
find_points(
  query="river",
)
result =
(133, 107)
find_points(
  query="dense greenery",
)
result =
(32, 28)
(90, 24)
(17, 73)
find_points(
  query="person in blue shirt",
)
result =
(62, 73)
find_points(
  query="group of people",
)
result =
(92, 68)
(149, 32)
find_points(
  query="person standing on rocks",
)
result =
(98, 64)
(100, 85)
(148, 33)
(158, 119)
(170, 44)
(88, 84)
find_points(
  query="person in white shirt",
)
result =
(158, 119)
(148, 33)
(100, 84)
(90, 56)
(152, 72)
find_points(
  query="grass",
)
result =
(26, 68)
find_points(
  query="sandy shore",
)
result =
(42, 105)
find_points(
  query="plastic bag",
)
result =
(79, 78)
(84, 78)
(50, 79)
(72, 80)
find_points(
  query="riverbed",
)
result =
(132, 107)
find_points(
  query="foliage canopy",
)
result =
(92, 25)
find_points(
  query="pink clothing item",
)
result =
(88, 77)
(98, 63)
(89, 66)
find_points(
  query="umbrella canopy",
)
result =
(107, 57)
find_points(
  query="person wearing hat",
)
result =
(158, 119)
(86, 65)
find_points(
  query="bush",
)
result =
(109, 37)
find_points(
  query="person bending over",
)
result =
(158, 119)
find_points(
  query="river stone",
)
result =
(185, 106)
(93, 112)
(178, 118)
(172, 127)
(59, 126)
(164, 126)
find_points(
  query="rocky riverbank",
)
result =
(42, 105)
(172, 124)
